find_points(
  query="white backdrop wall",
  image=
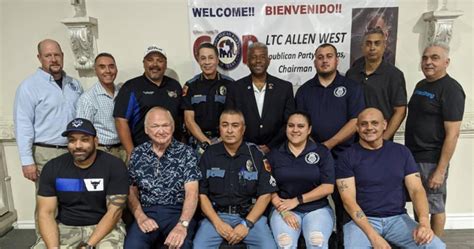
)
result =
(126, 27)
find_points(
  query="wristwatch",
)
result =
(300, 199)
(84, 244)
(184, 223)
(247, 223)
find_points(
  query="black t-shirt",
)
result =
(138, 95)
(384, 89)
(81, 193)
(431, 104)
(207, 99)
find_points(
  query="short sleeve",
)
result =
(192, 171)
(124, 99)
(344, 167)
(118, 178)
(85, 109)
(132, 167)
(327, 169)
(398, 91)
(452, 103)
(410, 164)
(187, 95)
(203, 166)
(47, 184)
(266, 182)
(356, 100)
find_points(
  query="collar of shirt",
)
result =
(256, 91)
(100, 90)
(162, 84)
(48, 77)
(218, 77)
(336, 82)
(381, 69)
(310, 146)
(243, 150)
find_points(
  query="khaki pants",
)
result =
(41, 156)
(115, 151)
(71, 236)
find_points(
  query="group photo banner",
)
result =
(292, 30)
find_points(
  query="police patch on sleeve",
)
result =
(267, 165)
(185, 90)
(340, 91)
(311, 158)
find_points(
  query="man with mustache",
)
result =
(383, 83)
(435, 114)
(97, 105)
(87, 188)
(333, 102)
(204, 99)
(372, 177)
(265, 100)
(138, 95)
(44, 104)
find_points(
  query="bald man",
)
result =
(371, 176)
(163, 175)
(45, 102)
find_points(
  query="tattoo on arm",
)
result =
(117, 200)
(342, 186)
(359, 214)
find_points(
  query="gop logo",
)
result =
(231, 48)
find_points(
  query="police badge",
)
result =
(222, 90)
(340, 91)
(249, 165)
(311, 158)
(172, 94)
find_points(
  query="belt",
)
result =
(234, 209)
(50, 146)
(109, 146)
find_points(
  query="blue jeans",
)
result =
(395, 229)
(316, 226)
(258, 237)
(166, 217)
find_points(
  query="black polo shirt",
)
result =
(330, 107)
(207, 99)
(138, 95)
(235, 180)
(384, 89)
(299, 175)
(431, 104)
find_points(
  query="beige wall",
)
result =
(126, 27)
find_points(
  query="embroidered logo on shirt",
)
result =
(148, 92)
(94, 184)
(172, 94)
(340, 91)
(312, 158)
(249, 165)
(425, 93)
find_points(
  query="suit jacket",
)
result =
(279, 103)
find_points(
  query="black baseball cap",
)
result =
(80, 125)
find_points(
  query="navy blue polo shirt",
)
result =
(206, 97)
(138, 95)
(299, 175)
(379, 177)
(235, 180)
(330, 107)
(384, 89)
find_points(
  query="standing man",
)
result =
(44, 104)
(436, 110)
(204, 98)
(265, 100)
(163, 175)
(371, 177)
(235, 173)
(333, 102)
(87, 188)
(138, 95)
(97, 105)
(383, 84)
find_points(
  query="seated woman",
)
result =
(304, 172)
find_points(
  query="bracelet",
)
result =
(283, 214)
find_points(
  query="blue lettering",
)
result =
(425, 94)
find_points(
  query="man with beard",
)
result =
(87, 188)
(371, 177)
(333, 102)
(204, 98)
(138, 95)
(44, 104)
(383, 83)
(97, 105)
(265, 100)
(435, 114)
(163, 177)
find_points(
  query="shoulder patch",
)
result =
(185, 90)
(267, 166)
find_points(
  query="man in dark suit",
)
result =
(265, 100)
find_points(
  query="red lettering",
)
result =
(246, 39)
(198, 42)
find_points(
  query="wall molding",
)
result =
(453, 221)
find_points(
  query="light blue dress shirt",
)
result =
(42, 111)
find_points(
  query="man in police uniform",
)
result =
(140, 94)
(204, 98)
(234, 173)
(333, 102)
(265, 100)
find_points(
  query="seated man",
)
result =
(164, 177)
(371, 176)
(235, 173)
(88, 189)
